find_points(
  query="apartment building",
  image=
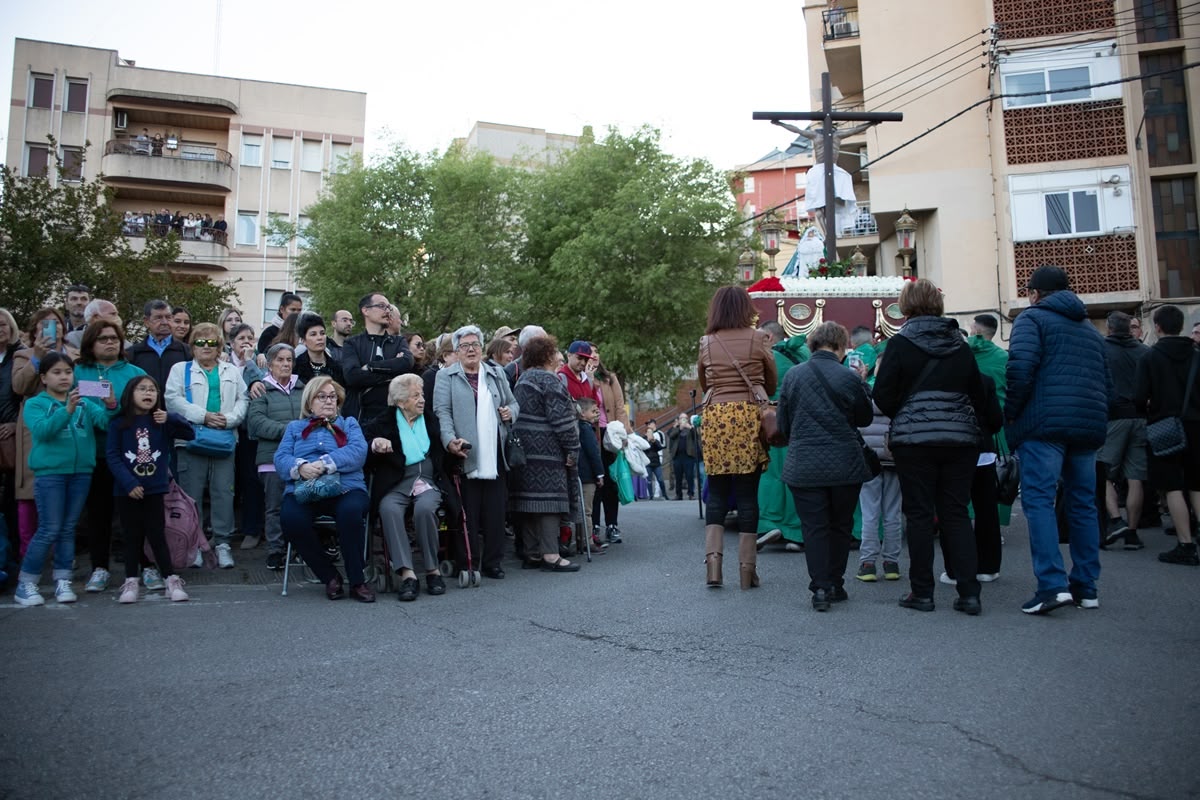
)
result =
(239, 150)
(1074, 165)
(510, 144)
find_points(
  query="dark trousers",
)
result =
(827, 518)
(610, 501)
(485, 502)
(745, 490)
(349, 510)
(142, 521)
(100, 517)
(936, 482)
(987, 520)
(247, 486)
(685, 472)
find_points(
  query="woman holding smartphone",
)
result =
(101, 374)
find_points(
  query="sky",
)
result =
(431, 70)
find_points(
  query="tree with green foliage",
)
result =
(436, 235)
(625, 246)
(57, 233)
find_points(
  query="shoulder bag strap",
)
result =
(925, 372)
(756, 392)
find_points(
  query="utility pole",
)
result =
(829, 140)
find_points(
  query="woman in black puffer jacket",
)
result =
(930, 385)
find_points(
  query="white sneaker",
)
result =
(198, 561)
(794, 547)
(946, 579)
(987, 577)
(175, 589)
(152, 580)
(224, 556)
(98, 582)
(63, 592)
(27, 594)
(129, 591)
(773, 535)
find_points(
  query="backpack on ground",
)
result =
(185, 535)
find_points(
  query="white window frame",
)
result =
(308, 149)
(33, 79)
(245, 218)
(1072, 199)
(748, 184)
(281, 152)
(1028, 202)
(252, 147)
(337, 157)
(1100, 59)
(67, 95)
(29, 147)
(82, 163)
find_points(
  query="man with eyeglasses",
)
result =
(159, 351)
(371, 359)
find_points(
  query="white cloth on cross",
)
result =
(843, 189)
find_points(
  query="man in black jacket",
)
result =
(289, 304)
(1124, 450)
(159, 351)
(371, 359)
(1162, 378)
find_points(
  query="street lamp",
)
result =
(746, 264)
(771, 228)
(859, 261)
(906, 237)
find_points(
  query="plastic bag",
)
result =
(620, 473)
(638, 460)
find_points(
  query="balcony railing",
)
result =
(840, 23)
(167, 148)
(864, 224)
(141, 229)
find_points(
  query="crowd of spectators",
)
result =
(193, 226)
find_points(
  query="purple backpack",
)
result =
(185, 536)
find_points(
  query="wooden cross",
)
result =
(827, 116)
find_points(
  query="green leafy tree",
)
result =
(625, 246)
(436, 235)
(56, 234)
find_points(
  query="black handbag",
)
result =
(1008, 475)
(1166, 437)
(514, 451)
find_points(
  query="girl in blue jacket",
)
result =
(138, 452)
(62, 458)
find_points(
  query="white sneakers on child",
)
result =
(175, 589)
(129, 591)
(63, 592)
(224, 556)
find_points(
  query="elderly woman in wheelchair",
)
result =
(320, 460)
(405, 477)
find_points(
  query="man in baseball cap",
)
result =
(505, 332)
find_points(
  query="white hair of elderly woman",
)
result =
(528, 332)
(466, 330)
(403, 387)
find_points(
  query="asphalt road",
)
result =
(626, 680)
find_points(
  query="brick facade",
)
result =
(1096, 264)
(1039, 134)
(1024, 19)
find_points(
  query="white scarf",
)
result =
(487, 432)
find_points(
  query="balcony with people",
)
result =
(166, 158)
(203, 234)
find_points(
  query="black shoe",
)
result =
(968, 605)
(910, 600)
(334, 589)
(613, 534)
(434, 585)
(1116, 531)
(275, 561)
(495, 573)
(1181, 554)
(409, 588)
(531, 563)
(821, 600)
(559, 566)
(1132, 540)
(838, 594)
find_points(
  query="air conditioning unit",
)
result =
(120, 120)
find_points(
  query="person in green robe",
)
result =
(993, 361)
(860, 340)
(777, 517)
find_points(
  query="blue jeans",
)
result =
(655, 473)
(1042, 463)
(60, 500)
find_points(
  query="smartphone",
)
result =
(50, 329)
(854, 360)
(465, 446)
(100, 389)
